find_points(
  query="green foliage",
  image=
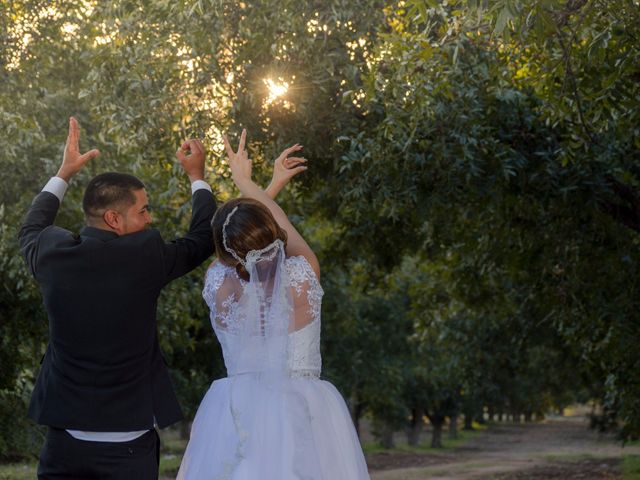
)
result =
(488, 166)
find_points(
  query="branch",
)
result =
(623, 214)
(571, 7)
(624, 191)
(627, 212)
(569, 75)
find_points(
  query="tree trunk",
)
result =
(185, 429)
(415, 427)
(491, 413)
(468, 422)
(386, 437)
(355, 409)
(436, 436)
(453, 427)
(528, 416)
(358, 415)
(480, 418)
(500, 415)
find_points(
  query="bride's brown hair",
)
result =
(252, 227)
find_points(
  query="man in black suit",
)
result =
(103, 385)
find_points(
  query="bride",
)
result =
(272, 417)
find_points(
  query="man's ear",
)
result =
(112, 219)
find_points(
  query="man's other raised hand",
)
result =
(192, 156)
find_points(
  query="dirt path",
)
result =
(556, 449)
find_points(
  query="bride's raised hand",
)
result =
(284, 169)
(239, 161)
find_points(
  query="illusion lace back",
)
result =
(223, 292)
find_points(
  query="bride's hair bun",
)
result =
(251, 227)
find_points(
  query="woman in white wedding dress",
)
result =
(272, 417)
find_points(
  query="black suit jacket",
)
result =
(103, 369)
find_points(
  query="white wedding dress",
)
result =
(256, 424)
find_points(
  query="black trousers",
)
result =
(65, 457)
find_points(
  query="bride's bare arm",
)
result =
(241, 173)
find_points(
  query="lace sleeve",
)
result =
(212, 281)
(222, 289)
(307, 291)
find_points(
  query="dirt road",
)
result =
(561, 448)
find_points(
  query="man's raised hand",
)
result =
(192, 156)
(73, 160)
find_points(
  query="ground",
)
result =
(561, 448)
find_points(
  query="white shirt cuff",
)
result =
(113, 437)
(199, 184)
(57, 186)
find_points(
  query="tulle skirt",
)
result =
(248, 428)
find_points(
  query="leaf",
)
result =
(511, 7)
(599, 43)
(501, 22)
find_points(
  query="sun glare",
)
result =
(276, 89)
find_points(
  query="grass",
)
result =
(169, 464)
(630, 462)
(172, 449)
(18, 471)
(425, 445)
(573, 457)
(631, 467)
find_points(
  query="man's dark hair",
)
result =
(109, 190)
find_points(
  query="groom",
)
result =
(103, 384)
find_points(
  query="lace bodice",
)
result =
(223, 290)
